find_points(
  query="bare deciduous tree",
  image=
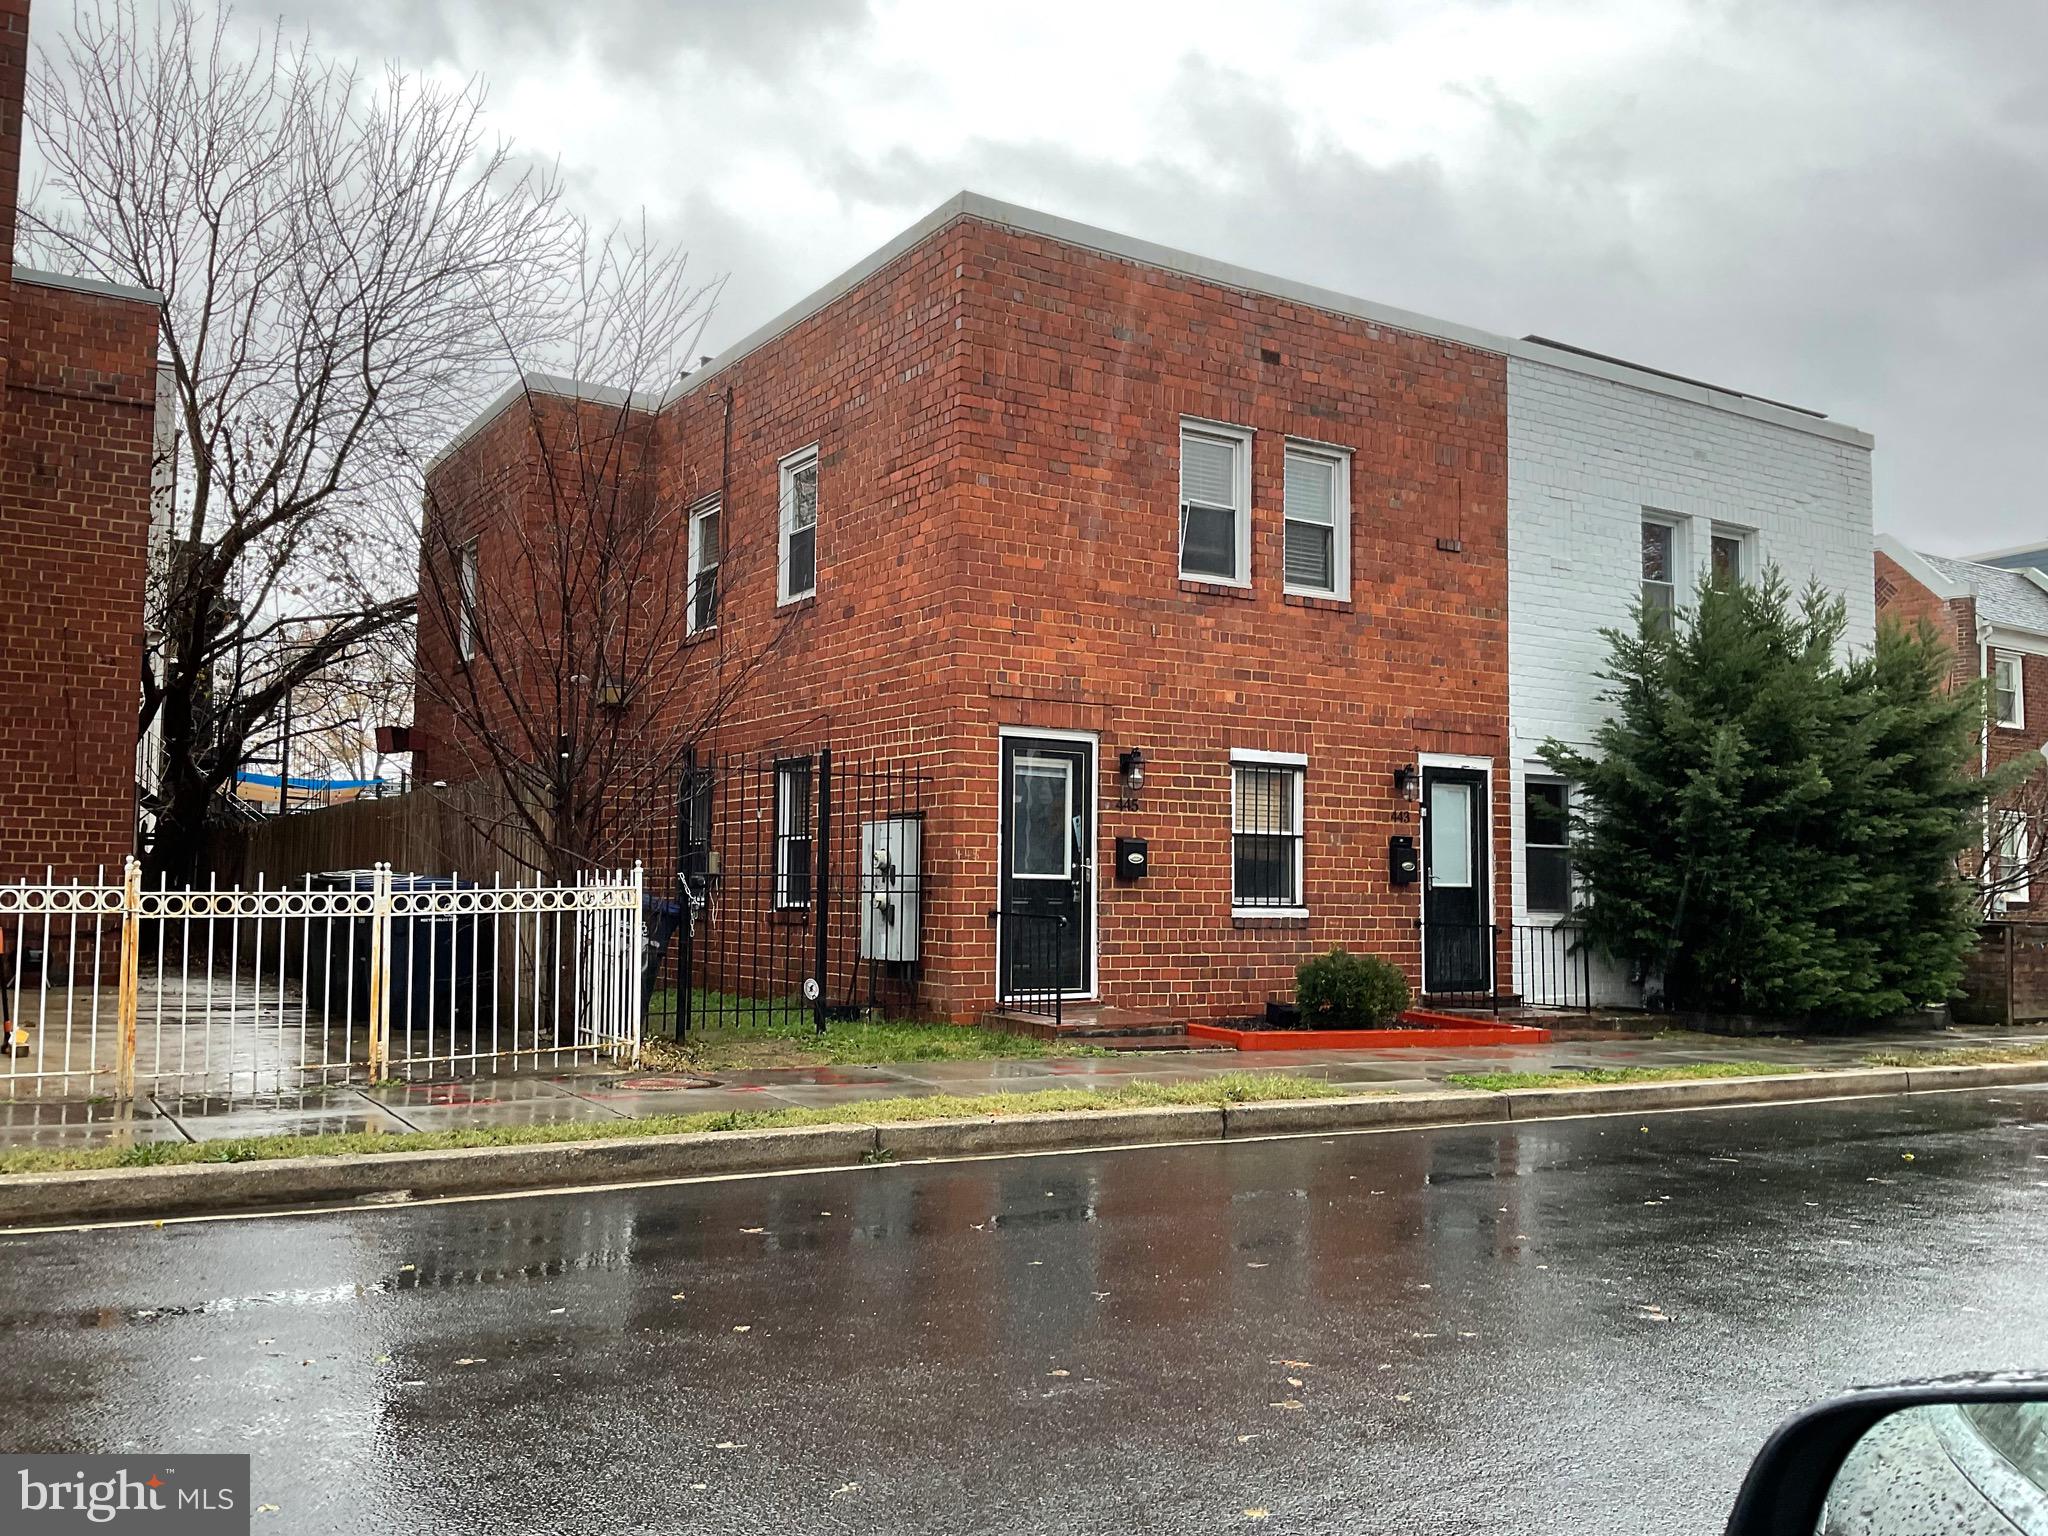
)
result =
(342, 263)
(578, 660)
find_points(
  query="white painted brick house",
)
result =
(1617, 477)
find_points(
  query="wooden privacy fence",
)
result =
(2005, 978)
(470, 829)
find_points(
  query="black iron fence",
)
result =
(1553, 965)
(1458, 964)
(1033, 963)
(785, 892)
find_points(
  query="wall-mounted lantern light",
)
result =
(1407, 783)
(1130, 770)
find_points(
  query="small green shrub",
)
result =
(1341, 990)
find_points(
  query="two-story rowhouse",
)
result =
(1188, 589)
(1995, 618)
(1625, 487)
(77, 423)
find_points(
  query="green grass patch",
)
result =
(1961, 1056)
(729, 1032)
(1501, 1082)
(1225, 1088)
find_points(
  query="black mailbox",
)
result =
(1401, 866)
(1132, 859)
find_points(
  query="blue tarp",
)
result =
(269, 781)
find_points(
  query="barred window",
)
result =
(1265, 835)
(793, 833)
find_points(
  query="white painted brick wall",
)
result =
(1587, 457)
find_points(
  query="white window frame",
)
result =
(2013, 849)
(710, 506)
(1245, 757)
(1745, 551)
(468, 597)
(790, 467)
(1674, 567)
(2018, 719)
(1339, 459)
(1240, 439)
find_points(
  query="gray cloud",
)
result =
(1836, 202)
(642, 38)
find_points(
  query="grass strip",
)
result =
(1502, 1082)
(728, 1033)
(1961, 1056)
(1226, 1088)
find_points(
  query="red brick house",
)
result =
(77, 402)
(1995, 619)
(1050, 505)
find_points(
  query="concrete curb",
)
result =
(903, 1139)
(186, 1188)
(183, 1188)
(1701, 1092)
(1284, 1117)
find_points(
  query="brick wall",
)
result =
(75, 451)
(77, 392)
(997, 418)
(1587, 457)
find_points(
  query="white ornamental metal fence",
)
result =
(117, 989)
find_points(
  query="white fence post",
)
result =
(636, 948)
(380, 970)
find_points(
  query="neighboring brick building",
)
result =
(1995, 618)
(77, 398)
(1077, 496)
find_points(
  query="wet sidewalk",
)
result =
(599, 1096)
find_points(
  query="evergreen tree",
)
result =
(1765, 827)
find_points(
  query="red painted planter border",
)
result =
(1446, 1030)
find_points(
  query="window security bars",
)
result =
(1266, 837)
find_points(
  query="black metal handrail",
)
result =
(1031, 945)
(1553, 965)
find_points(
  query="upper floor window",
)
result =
(1660, 572)
(1318, 531)
(704, 565)
(1265, 833)
(1216, 503)
(468, 584)
(2008, 695)
(796, 568)
(1727, 558)
(1546, 837)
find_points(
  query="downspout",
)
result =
(1984, 751)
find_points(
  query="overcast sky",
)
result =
(1839, 203)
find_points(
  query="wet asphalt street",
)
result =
(1574, 1326)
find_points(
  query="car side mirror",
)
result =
(1968, 1456)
